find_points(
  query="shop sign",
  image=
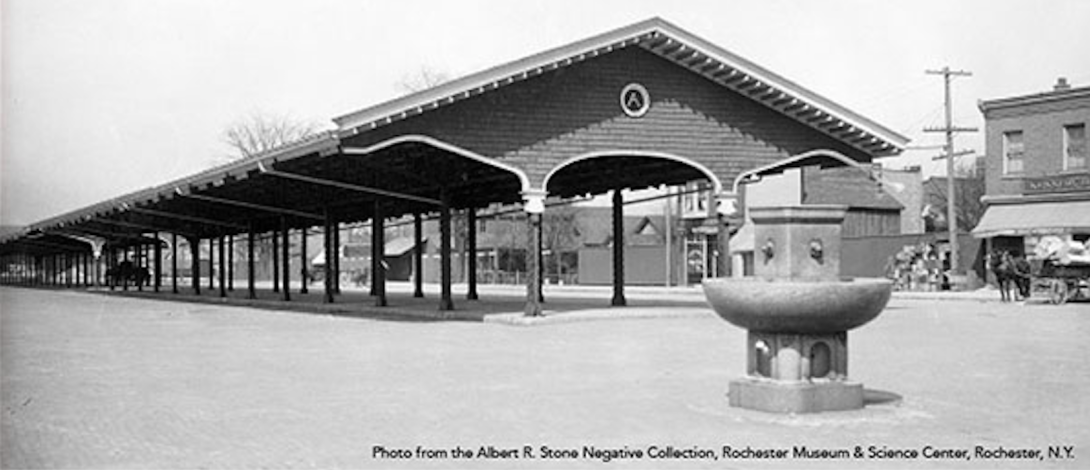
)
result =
(1057, 184)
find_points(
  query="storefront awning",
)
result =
(1042, 218)
(742, 239)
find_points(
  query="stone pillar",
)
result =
(618, 249)
(471, 253)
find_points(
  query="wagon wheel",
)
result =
(1057, 292)
(1073, 289)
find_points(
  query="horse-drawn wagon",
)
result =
(1063, 282)
(1063, 270)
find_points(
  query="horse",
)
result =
(126, 271)
(1004, 268)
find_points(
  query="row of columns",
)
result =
(48, 272)
(68, 269)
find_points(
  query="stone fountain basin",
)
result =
(798, 306)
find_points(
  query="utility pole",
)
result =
(949, 129)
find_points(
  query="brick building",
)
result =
(1037, 176)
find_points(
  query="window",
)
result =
(1013, 152)
(1075, 147)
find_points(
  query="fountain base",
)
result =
(797, 397)
(796, 373)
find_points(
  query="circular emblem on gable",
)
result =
(635, 101)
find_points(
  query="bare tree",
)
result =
(260, 132)
(968, 189)
(422, 79)
(257, 133)
(560, 233)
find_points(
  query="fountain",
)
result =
(797, 310)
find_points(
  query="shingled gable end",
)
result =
(709, 106)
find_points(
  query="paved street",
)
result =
(91, 380)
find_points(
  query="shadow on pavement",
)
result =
(880, 397)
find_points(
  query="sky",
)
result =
(104, 97)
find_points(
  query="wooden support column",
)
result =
(376, 255)
(231, 263)
(378, 252)
(174, 263)
(211, 264)
(327, 232)
(125, 258)
(223, 266)
(276, 262)
(304, 262)
(418, 255)
(471, 253)
(618, 249)
(251, 276)
(138, 266)
(285, 292)
(445, 300)
(158, 268)
(108, 264)
(195, 263)
(336, 261)
(541, 259)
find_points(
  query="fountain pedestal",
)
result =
(798, 313)
(796, 373)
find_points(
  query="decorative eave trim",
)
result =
(671, 42)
